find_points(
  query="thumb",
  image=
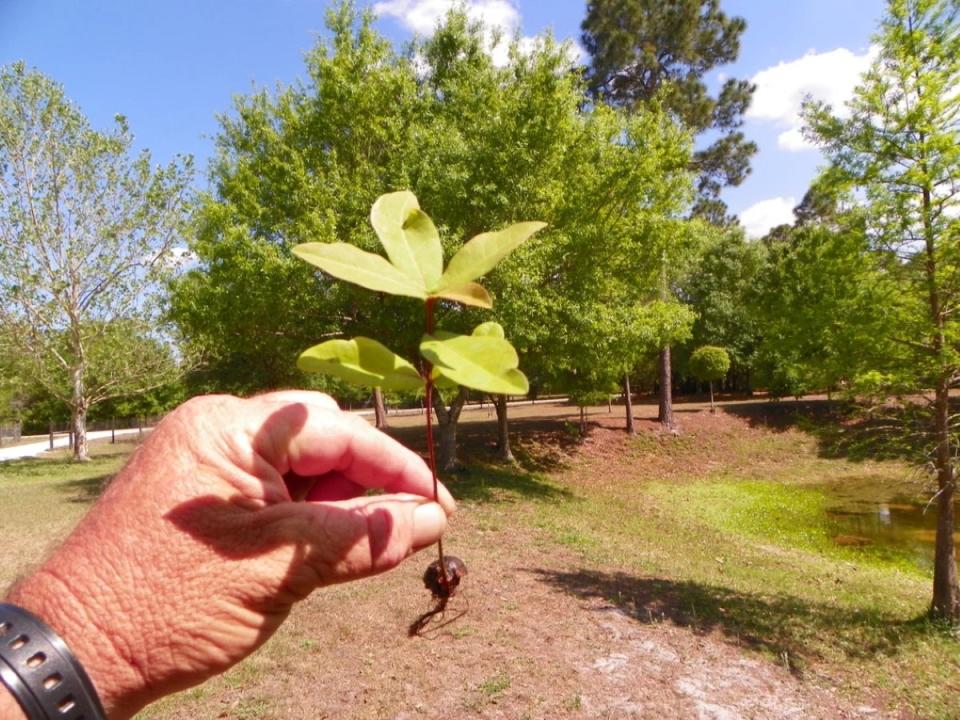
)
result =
(355, 538)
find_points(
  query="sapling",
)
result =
(483, 360)
(710, 363)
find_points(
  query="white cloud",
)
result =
(423, 16)
(578, 53)
(792, 140)
(828, 76)
(760, 217)
(178, 258)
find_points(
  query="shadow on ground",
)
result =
(86, 490)
(792, 629)
(484, 482)
(538, 444)
(844, 431)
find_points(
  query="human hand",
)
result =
(230, 512)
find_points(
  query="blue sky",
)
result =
(171, 66)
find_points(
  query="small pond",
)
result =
(888, 518)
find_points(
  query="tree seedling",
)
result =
(483, 360)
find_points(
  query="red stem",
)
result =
(428, 371)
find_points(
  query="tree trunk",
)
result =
(666, 391)
(503, 435)
(447, 419)
(713, 408)
(628, 401)
(946, 594)
(583, 422)
(78, 425)
(379, 409)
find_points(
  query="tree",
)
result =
(481, 146)
(499, 143)
(710, 363)
(822, 309)
(622, 216)
(14, 395)
(291, 167)
(722, 291)
(88, 234)
(899, 149)
(622, 223)
(646, 49)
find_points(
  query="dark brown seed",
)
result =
(433, 578)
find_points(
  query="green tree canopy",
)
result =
(481, 147)
(709, 363)
(721, 289)
(824, 308)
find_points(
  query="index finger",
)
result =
(312, 439)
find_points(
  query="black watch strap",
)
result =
(41, 672)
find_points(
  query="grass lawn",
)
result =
(654, 576)
(42, 498)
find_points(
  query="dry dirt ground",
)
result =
(536, 633)
(533, 642)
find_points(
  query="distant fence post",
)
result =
(140, 428)
(113, 431)
(51, 434)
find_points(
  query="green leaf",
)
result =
(491, 329)
(350, 263)
(512, 382)
(442, 381)
(481, 254)
(361, 361)
(469, 294)
(409, 237)
(481, 362)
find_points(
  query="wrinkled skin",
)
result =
(228, 514)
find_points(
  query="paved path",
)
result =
(60, 441)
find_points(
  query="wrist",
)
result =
(9, 708)
(41, 672)
(52, 600)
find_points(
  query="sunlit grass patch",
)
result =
(794, 516)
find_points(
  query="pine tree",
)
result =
(646, 49)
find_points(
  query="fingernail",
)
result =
(447, 501)
(429, 522)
